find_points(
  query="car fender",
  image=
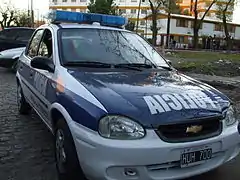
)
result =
(63, 112)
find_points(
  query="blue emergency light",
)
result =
(57, 16)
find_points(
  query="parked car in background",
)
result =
(15, 37)
(9, 58)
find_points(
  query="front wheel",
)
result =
(23, 106)
(67, 163)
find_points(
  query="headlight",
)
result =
(119, 127)
(230, 118)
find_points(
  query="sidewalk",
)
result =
(163, 50)
(228, 82)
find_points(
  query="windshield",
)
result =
(106, 46)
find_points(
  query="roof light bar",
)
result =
(57, 16)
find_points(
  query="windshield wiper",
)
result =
(166, 67)
(139, 65)
(88, 64)
(128, 66)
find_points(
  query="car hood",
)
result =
(153, 97)
(12, 53)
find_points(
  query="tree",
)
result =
(130, 26)
(198, 22)
(223, 7)
(7, 15)
(22, 19)
(155, 6)
(102, 7)
(186, 12)
(171, 8)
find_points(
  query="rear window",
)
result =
(24, 35)
(16, 34)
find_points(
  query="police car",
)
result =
(117, 108)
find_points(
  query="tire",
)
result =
(68, 166)
(23, 107)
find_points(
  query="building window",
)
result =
(54, 1)
(209, 14)
(83, 0)
(192, 25)
(133, 11)
(182, 23)
(218, 27)
(142, 23)
(122, 11)
(181, 39)
(143, 11)
(64, 0)
(133, 0)
(73, 10)
(231, 28)
(122, 0)
(73, 0)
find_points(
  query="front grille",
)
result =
(176, 133)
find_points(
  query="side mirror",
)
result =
(169, 62)
(43, 63)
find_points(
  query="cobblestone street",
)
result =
(26, 148)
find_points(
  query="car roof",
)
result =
(88, 26)
(17, 28)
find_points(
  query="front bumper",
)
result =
(149, 158)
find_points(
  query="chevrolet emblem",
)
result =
(194, 129)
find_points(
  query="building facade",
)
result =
(128, 8)
(181, 30)
(181, 27)
(187, 7)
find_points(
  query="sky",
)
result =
(38, 5)
(42, 7)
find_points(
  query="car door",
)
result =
(42, 78)
(26, 71)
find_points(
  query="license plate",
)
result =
(195, 157)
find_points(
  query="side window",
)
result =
(46, 47)
(33, 46)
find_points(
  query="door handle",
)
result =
(31, 75)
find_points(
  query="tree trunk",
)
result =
(2, 25)
(195, 26)
(168, 29)
(197, 23)
(195, 39)
(154, 29)
(228, 40)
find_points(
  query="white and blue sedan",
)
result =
(117, 109)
